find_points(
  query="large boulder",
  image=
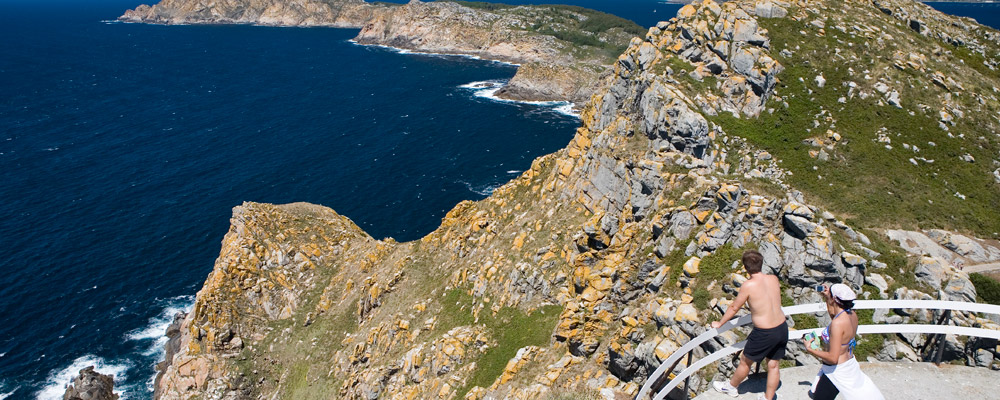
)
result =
(91, 385)
(932, 272)
(959, 288)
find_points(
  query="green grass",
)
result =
(870, 344)
(456, 310)
(864, 180)
(511, 328)
(786, 300)
(579, 26)
(987, 289)
(597, 21)
(589, 30)
(718, 265)
(805, 321)
(675, 261)
(701, 298)
(482, 5)
(576, 37)
(600, 22)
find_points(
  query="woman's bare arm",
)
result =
(832, 356)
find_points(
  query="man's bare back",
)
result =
(769, 337)
(764, 299)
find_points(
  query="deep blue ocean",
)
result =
(124, 147)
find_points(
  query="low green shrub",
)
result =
(987, 289)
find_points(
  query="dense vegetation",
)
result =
(577, 25)
(987, 289)
(511, 328)
(482, 5)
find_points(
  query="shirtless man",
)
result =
(769, 337)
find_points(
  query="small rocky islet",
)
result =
(848, 141)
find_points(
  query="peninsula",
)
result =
(850, 141)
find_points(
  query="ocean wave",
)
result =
(482, 190)
(155, 334)
(3, 388)
(488, 90)
(568, 110)
(155, 330)
(55, 385)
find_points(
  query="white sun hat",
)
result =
(842, 292)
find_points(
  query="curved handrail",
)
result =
(711, 333)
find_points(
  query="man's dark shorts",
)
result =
(767, 343)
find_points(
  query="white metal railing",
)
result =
(668, 365)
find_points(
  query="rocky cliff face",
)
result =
(579, 277)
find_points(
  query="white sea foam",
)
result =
(488, 90)
(153, 335)
(513, 171)
(567, 109)
(155, 330)
(482, 190)
(55, 385)
(3, 387)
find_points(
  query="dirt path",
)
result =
(980, 268)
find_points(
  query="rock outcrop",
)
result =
(587, 271)
(91, 385)
(339, 13)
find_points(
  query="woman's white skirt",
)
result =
(852, 383)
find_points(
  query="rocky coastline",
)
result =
(579, 277)
(551, 69)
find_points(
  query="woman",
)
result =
(841, 372)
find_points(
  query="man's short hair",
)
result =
(752, 261)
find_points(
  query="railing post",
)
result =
(687, 390)
(946, 319)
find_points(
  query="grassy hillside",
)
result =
(927, 163)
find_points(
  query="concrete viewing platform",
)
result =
(897, 381)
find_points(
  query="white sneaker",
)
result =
(760, 396)
(725, 387)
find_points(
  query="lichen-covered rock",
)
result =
(91, 385)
